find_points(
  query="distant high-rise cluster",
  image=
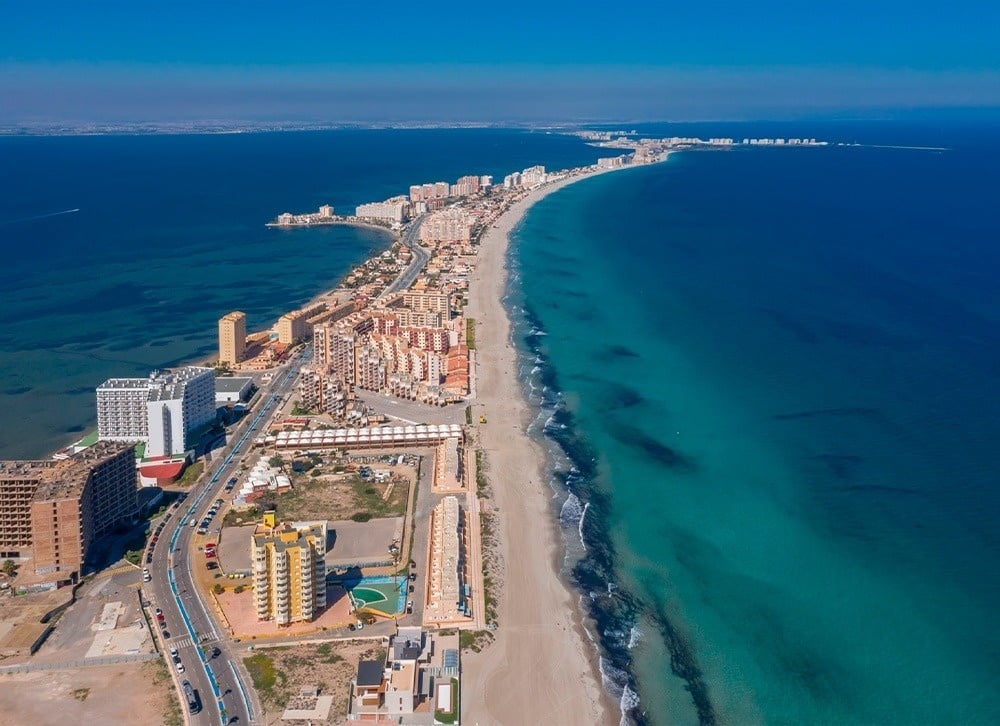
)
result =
(530, 177)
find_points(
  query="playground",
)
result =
(384, 596)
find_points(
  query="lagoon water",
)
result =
(170, 235)
(770, 379)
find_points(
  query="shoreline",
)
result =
(532, 672)
(210, 362)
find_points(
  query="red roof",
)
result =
(161, 471)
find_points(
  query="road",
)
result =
(410, 238)
(214, 670)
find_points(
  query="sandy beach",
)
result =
(541, 669)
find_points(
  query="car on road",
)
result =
(361, 626)
(173, 652)
(194, 702)
(146, 577)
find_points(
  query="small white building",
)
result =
(232, 389)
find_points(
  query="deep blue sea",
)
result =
(771, 380)
(170, 235)
(767, 377)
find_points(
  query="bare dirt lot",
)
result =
(20, 621)
(115, 694)
(279, 673)
(333, 496)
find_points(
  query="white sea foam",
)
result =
(572, 510)
(628, 701)
(615, 682)
(635, 636)
(579, 529)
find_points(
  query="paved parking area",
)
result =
(106, 620)
(411, 412)
(361, 543)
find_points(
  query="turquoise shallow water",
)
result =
(770, 377)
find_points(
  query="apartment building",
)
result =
(121, 409)
(179, 404)
(447, 600)
(232, 338)
(296, 325)
(161, 410)
(428, 192)
(466, 186)
(438, 302)
(533, 176)
(289, 572)
(54, 511)
(322, 393)
(391, 210)
(448, 225)
(18, 483)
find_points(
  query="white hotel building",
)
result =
(161, 410)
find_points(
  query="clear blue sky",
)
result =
(515, 60)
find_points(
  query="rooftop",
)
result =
(231, 384)
(369, 673)
(68, 477)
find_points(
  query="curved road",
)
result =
(214, 670)
(410, 238)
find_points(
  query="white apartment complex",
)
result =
(161, 410)
(391, 210)
(121, 409)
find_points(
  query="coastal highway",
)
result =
(420, 256)
(214, 670)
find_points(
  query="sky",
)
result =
(374, 61)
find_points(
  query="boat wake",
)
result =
(40, 216)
